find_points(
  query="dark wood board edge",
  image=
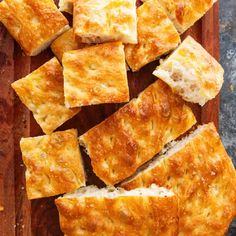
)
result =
(210, 41)
(21, 129)
(7, 190)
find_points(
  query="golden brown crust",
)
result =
(97, 21)
(184, 13)
(33, 23)
(192, 72)
(124, 215)
(156, 36)
(135, 133)
(95, 75)
(66, 42)
(54, 164)
(66, 6)
(42, 92)
(202, 175)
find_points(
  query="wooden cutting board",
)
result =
(39, 217)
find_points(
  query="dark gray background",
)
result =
(228, 93)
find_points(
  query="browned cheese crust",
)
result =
(184, 13)
(202, 175)
(66, 42)
(124, 215)
(33, 23)
(156, 36)
(53, 163)
(42, 92)
(135, 133)
(95, 75)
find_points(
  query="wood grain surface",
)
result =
(39, 217)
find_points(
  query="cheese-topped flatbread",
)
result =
(34, 24)
(192, 72)
(42, 92)
(93, 212)
(53, 164)
(136, 132)
(97, 21)
(156, 36)
(95, 75)
(184, 13)
(66, 42)
(203, 177)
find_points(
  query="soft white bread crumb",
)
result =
(112, 192)
(192, 73)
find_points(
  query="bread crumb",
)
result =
(1, 208)
(231, 88)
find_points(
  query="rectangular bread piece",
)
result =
(95, 75)
(136, 132)
(97, 21)
(110, 211)
(66, 6)
(34, 24)
(202, 175)
(66, 42)
(184, 13)
(53, 164)
(156, 36)
(43, 93)
(192, 72)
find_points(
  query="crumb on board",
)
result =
(231, 88)
(1, 208)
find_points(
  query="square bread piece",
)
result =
(66, 6)
(184, 13)
(42, 92)
(66, 42)
(202, 175)
(34, 24)
(97, 21)
(53, 164)
(192, 73)
(156, 36)
(95, 75)
(136, 132)
(111, 211)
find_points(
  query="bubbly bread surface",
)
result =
(53, 164)
(43, 94)
(199, 171)
(96, 21)
(192, 72)
(95, 75)
(184, 13)
(34, 24)
(156, 36)
(136, 132)
(112, 211)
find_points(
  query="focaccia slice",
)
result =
(96, 21)
(192, 72)
(156, 36)
(66, 6)
(34, 24)
(136, 132)
(53, 164)
(110, 211)
(202, 175)
(184, 13)
(42, 92)
(66, 42)
(95, 75)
